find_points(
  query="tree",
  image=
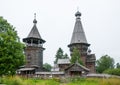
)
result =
(11, 49)
(65, 56)
(104, 63)
(47, 66)
(60, 55)
(76, 57)
(117, 65)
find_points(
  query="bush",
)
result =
(113, 71)
(12, 80)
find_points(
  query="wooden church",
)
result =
(79, 41)
(34, 53)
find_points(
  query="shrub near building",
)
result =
(113, 71)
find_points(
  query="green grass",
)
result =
(82, 81)
(56, 81)
(24, 81)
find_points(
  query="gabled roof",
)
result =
(63, 61)
(79, 65)
(78, 35)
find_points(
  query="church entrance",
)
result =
(75, 73)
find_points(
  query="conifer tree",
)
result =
(60, 55)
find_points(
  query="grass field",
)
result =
(55, 81)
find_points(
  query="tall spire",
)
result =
(34, 32)
(78, 35)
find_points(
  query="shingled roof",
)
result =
(63, 61)
(78, 35)
(79, 65)
(34, 33)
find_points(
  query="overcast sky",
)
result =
(100, 19)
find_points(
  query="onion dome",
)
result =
(34, 21)
(77, 14)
